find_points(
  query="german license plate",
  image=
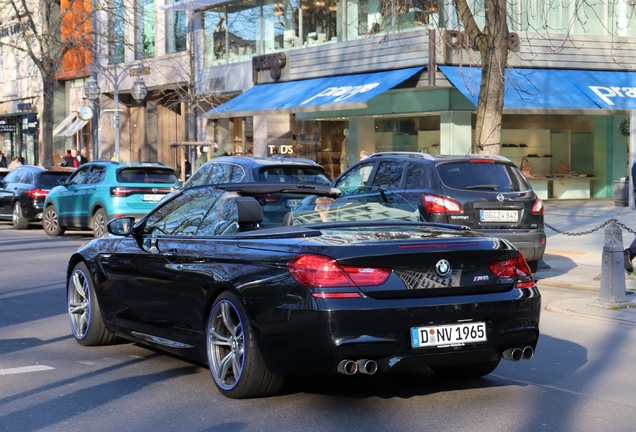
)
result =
(291, 202)
(152, 197)
(448, 335)
(499, 215)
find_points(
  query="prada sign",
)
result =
(272, 62)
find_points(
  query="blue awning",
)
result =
(553, 88)
(319, 94)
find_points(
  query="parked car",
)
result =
(484, 192)
(353, 286)
(240, 169)
(101, 190)
(23, 190)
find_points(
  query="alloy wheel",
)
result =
(99, 224)
(50, 221)
(226, 345)
(79, 304)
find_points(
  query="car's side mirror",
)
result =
(121, 226)
(178, 185)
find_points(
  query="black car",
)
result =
(23, 190)
(353, 286)
(240, 169)
(484, 192)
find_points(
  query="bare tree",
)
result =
(49, 30)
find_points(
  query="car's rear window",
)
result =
(49, 180)
(146, 175)
(290, 174)
(482, 177)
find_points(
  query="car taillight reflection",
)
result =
(514, 268)
(37, 193)
(318, 271)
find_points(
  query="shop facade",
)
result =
(574, 151)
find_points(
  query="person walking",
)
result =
(16, 163)
(3, 160)
(80, 158)
(203, 158)
(68, 160)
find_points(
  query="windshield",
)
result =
(372, 204)
(294, 174)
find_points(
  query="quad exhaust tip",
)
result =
(516, 354)
(363, 366)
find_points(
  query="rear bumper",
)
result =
(314, 342)
(531, 243)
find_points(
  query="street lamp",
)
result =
(115, 77)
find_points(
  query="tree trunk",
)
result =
(47, 120)
(492, 43)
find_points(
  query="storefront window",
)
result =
(116, 31)
(382, 16)
(419, 134)
(145, 30)
(319, 21)
(215, 25)
(280, 24)
(243, 30)
(176, 28)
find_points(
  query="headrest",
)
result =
(249, 210)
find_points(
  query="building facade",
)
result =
(247, 46)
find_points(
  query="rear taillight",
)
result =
(37, 193)
(438, 204)
(537, 207)
(514, 268)
(268, 197)
(318, 271)
(119, 191)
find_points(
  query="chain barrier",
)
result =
(603, 225)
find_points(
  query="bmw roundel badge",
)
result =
(443, 268)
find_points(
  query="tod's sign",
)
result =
(272, 62)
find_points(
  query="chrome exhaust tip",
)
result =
(367, 367)
(512, 354)
(347, 367)
(528, 352)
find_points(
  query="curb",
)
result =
(582, 308)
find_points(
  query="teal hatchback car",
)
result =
(102, 190)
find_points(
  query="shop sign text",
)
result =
(606, 93)
(337, 94)
(272, 62)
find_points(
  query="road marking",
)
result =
(25, 369)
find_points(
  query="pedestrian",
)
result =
(3, 160)
(217, 151)
(115, 159)
(16, 163)
(81, 159)
(203, 158)
(363, 155)
(68, 160)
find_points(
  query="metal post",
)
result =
(613, 294)
(116, 118)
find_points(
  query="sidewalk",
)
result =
(576, 261)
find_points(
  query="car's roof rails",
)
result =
(404, 154)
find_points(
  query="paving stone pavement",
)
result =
(575, 261)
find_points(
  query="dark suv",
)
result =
(487, 193)
(23, 190)
(240, 169)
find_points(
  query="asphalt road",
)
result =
(581, 378)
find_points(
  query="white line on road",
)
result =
(25, 369)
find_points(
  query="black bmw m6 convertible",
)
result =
(349, 286)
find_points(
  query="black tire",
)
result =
(466, 371)
(51, 223)
(100, 219)
(534, 265)
(19, 221)
(235, 361)
(84, 314)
